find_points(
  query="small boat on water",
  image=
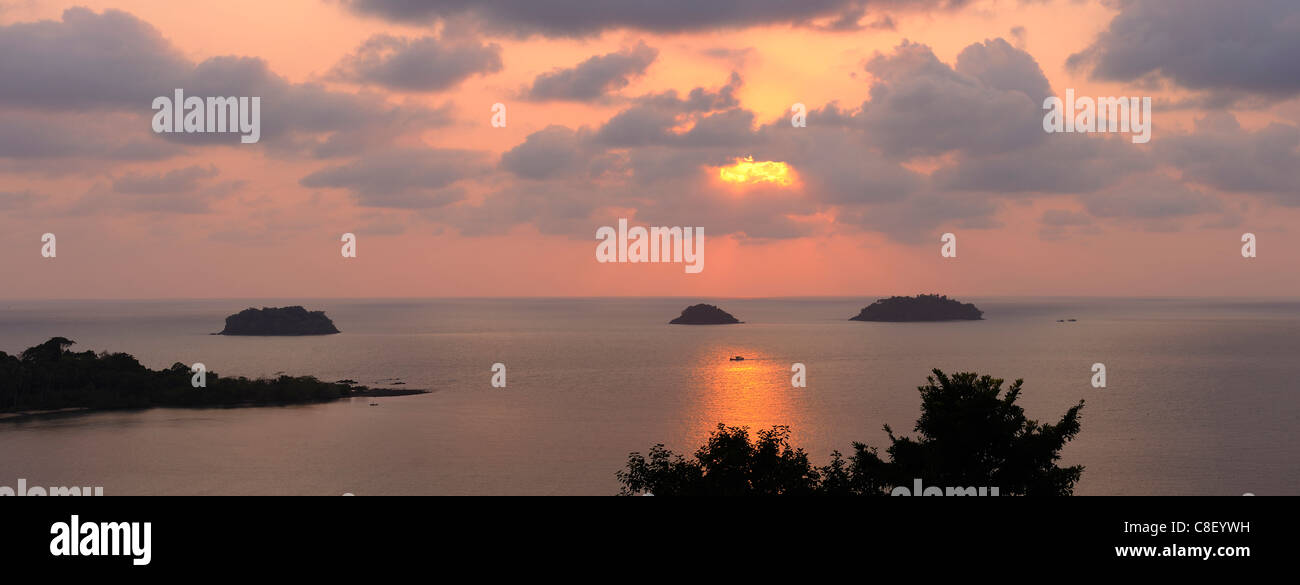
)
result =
(739, 358)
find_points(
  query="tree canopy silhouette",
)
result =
(970, 434)
(50, 376)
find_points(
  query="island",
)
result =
(293, 320)
(919, 308)
(703, 314)
(51, 378)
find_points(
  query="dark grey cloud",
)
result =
(698, 99)
(1064, 218)
(651, 118)
(920, 106)
(658, 156)
(86, 60)
(884, 22)
(637, 126)
(38, 140)
(651, 125)
(382, 225)
(999, 65)
(552, 207)
(1059, 224)
(659, 166)
(588, 17)
(918, 218)
(16, 200)
(1221, 154)
(1151, 197)
(182, 180)
(594, 78)
(985, 112)
(728, 128)
(1241, 46)
(762, 213)
(550, 152)
(305, 118)
(185, 190)
(574, 208)
(115, 63)
(836, 163)
(420, 64)
(1063, 164)
(406, 178)
(1020, 35)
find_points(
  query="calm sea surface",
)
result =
(1201, 395)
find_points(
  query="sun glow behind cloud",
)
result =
(748, 172)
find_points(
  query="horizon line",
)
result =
(630, 297)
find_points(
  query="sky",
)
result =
(923, 118)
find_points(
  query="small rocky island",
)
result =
(703, 314)
(293, 320)
(919, 308)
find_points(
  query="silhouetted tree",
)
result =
(727, 465)
(971, 434)
(49, 351)
(49, 376)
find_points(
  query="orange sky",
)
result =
(274, 237)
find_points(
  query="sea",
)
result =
(1200, 395)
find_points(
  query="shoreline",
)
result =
(26, 415)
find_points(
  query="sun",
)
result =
(748, 172)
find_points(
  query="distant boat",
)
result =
(739, 358)
(374, 404)
(1071, 320)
